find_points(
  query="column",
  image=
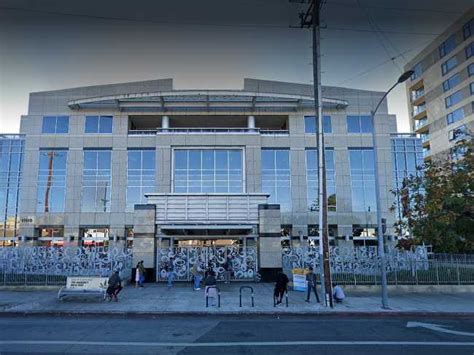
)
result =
(270, 259)
(165, 122)
(251, 122)
(144, 247)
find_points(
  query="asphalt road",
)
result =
(236, 335)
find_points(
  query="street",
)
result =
(236, 335)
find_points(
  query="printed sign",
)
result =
(29, 220)
(299, 280)
(87, 283)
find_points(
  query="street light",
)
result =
(381, 247)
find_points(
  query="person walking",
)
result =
(197, 275)
(170, 272)
(139, 274)
(311, 284)
(210, 287)
(114, 286)
(280, 287)
(227, 271)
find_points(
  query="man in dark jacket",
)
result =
(115, 286)
(280, 287)
(311, 281)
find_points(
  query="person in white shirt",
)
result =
(338, 293)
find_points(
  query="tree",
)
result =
(438, 204)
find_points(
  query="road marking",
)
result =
(230, 344)
(437, 328)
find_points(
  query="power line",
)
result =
(440, 11)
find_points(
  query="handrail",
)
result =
(218, 296)
(240, 294)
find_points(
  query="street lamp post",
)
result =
(380, 239)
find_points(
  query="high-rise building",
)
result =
(440, 92)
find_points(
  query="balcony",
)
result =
(417, 96)
(159, 131)
(421, 125)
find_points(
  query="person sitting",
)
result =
(338, 293)
(114, 286)
(210, 287)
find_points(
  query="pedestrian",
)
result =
(280, 287)
(227, 270)
(197, 274)
(114, 286)
(311, 284)
(139, 274)
(210, 287)
(170, 272)
(338, 293)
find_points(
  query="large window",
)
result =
(96, 181)
(312, 181)
(449, 65)
(140, 176)
(455, 116)
(208, 171)
(417, 71)
(457, 133)
(469, 50)
(447, 46)
(276, 178)
(51, 181)
(470, 69)
(55, 124)
(454, 99)
(362, 179)
(311, 125)
(98, 124)
(451, 82)
(468, 29)
(359, 124)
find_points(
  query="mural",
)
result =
(242, 261)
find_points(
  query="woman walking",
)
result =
(139, 274)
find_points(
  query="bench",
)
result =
(83, 286)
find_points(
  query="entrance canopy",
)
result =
(221, 231)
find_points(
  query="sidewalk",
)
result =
(181, 299)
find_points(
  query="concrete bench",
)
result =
(83, 287)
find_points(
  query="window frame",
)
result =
(56, 119)
(447, 46)
(98, 129)
(444, 66)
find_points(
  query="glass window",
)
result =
(455, 116)
(208, 171)
(451, 82)
(449, 65)
(454, 99)
(52, 181)
(472, 88)
(458, 133)
(469, 50)
(470, 69)
(468, 29)
(310, 124)
(98, 124)
(276, 180)
(96, 181)
(447, 46)
(359, 124)
(55, 124)
(312, 183)
(140, 176)
(362, 179)
(417, 71)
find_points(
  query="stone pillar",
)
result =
(144, 247)
(251, 122)
(165, 122)
(269, 241)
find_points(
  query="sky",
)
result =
(209, 44)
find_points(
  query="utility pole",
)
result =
(311, 18)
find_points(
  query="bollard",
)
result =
(240, 294)
(218, 296)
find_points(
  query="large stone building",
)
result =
(145, 164)
(440, 92)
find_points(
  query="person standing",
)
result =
(280, 287)
(227, 270)
(139, 274)
(170, 272)
(311, 284)
(197, 274)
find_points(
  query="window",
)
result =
(447, 46)
(55, 124)
(457, 133)
(417, 71)
(51, 181)
(451, 82)
(311, 126)
(313, 230)
(140, 176)
(208, 171)
(469, 50)
(276, 179)
(96, 181)
(449, 65)
(359, 124)
(98, 124)
(312, 181)
(416, 94)
(455, 116)
(362, 179)
(472, 88)
(468, 29)
(470, 69)
(454, 99)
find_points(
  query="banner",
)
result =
(299, 280)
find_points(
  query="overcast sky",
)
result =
(54, 44)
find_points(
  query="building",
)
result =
(440, 92)
(158, 168)
(11, 160)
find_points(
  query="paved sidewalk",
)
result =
(181, 299)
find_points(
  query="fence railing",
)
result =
(13, 279)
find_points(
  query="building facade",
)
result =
(440, 92)
(145, 164)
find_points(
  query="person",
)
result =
(227, 271)
(114, 286)
(170, 271)
(338, 293)
(280, 287)
(210, 287)
(311, 284)
(197, 274)
(139, 274)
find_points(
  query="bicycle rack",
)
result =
(240, 294)
(218, 296)
(286, 299)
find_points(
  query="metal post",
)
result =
(457, 272)
(437, 272)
